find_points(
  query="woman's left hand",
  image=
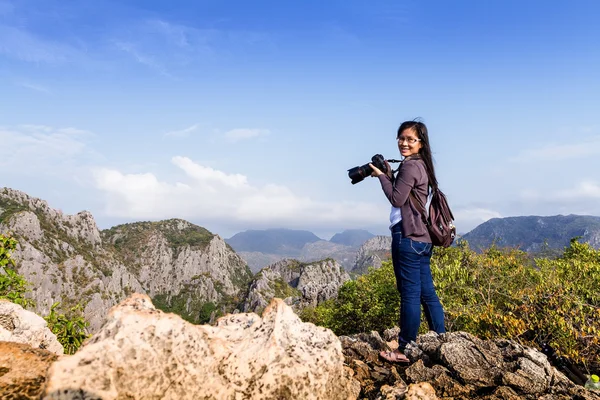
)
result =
(376, 171)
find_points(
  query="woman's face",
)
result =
(409, 142)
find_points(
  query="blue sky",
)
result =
(243, 115)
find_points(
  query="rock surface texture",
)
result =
(458, 366)
(144, 353)
(23, 370)
(300, 284)
(22, 326)
(372, 253)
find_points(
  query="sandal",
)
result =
(394, 357)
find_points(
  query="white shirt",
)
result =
(395, 216)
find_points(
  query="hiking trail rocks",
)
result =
(144, 353)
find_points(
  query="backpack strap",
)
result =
(419, 205)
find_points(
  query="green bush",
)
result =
(12, 285)
(70, 330)
(371, 302)
(498, 293)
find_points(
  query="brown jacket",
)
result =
(412, 174)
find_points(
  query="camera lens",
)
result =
(357, 174)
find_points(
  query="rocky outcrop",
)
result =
(23, 370)
(68, 260)
(299, 284)
(310, 252)
(22, 326)
(80, 227)
(458, 366)
(179, 263)
(371, 254)
(144, 353)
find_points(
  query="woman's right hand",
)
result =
(376, 171)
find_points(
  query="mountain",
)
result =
(299, 284)
(352, 237)
(288, 242)
(263, 247)
(184, 268)
(533, 233)
(371, 254)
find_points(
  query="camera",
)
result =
(357, 174)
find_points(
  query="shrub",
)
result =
(371, 302)
(498, 293)
(70, 330)
(12, 285)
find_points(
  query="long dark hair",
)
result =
(425, 151)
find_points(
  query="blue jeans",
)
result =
(412, 267)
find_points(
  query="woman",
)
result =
(411, 243)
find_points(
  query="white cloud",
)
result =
(582, 191)
(212, 195)
(237, 135)
(39, 149)
(554, 152)
(182, 132)
(581, 198)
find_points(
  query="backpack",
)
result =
(439, 220)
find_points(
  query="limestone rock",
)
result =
(22, 326)
(23, 370)
(396, 392)
(458, 366)
(372, 253)
(144, 353)
(475, 361)
(300, 284)
(421, 391)
(68, 260)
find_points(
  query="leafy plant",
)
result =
(497, 293)
(371, 302)
(12, 285)
(71, 330)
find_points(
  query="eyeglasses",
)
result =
(409, 140)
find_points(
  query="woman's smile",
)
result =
(409, 143)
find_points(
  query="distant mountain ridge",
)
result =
(272, 241)
(352, 237)
(534, 233)
(261, 248)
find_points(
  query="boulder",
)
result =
(23, 370)
(144, 353)
(22, 326)
(457, 366)
(299, 284)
